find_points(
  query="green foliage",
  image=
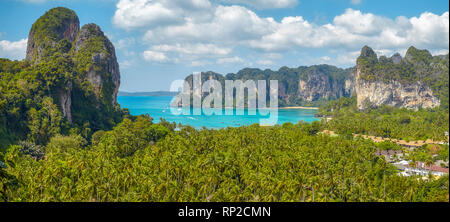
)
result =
(102, 156)
(49, 34)
(51, 23)
(45, 123)
(30, 107)
(30, 96)
(434, 191)
(386, 145)
(386, 121)
(83, 57)
(31, 149)
(430, 153)
(281, 163)
(6, 181)
(128, 137)
(61, 143)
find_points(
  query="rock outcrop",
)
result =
(394, 81)
(319, 84)
(65, 99)
(412, 96)
(49, 30)
(419, 80)
(297, 86)
(102, 68)
(91, 91)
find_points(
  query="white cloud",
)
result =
(340, 58)
(235, 59)
(273, 55)
(265, 4)
(124, 64)
(354, 29)
(212, 31)
(265, 62)
(429, 30)
(227, 25)
(197, 63)
(125, 43)
(147, 13)
(354, 21)
(13, 50)
(345, 58)
(355, 2)
(153, 56)
(325, 59)
(193, 49)
(440, 52)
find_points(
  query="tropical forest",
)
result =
(65, 138)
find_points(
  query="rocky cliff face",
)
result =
(49, 30)
(412, 96)
(320, 85)
(297, 86)
(393, 81)
(419, 80)
(102, 68)
(92, 90)
(317, 86)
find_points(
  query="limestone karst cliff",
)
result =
(400, 82)
(102, 68)
(419, 80)
(320, 83)
(56, 27)
(297, 86)
(89, 83)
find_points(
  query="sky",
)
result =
(159, 41)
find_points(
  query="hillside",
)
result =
(67, 139)
(419, 80)
(313, 85)
(68, 82)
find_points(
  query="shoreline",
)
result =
(299, 107)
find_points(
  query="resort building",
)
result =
(421, 169)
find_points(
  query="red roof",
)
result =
(422, 165)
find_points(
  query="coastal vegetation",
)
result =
(142, 161)
(139, 160)
(63, 136)
(386, 121)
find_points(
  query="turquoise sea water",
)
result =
(158, 106)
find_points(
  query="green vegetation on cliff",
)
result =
(50, 25)
(53, 95)
(52, 33)
(416, 66)
(323, 82)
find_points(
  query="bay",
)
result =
(158, 107)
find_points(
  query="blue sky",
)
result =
(158, 41)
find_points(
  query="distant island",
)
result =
(155, 93)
